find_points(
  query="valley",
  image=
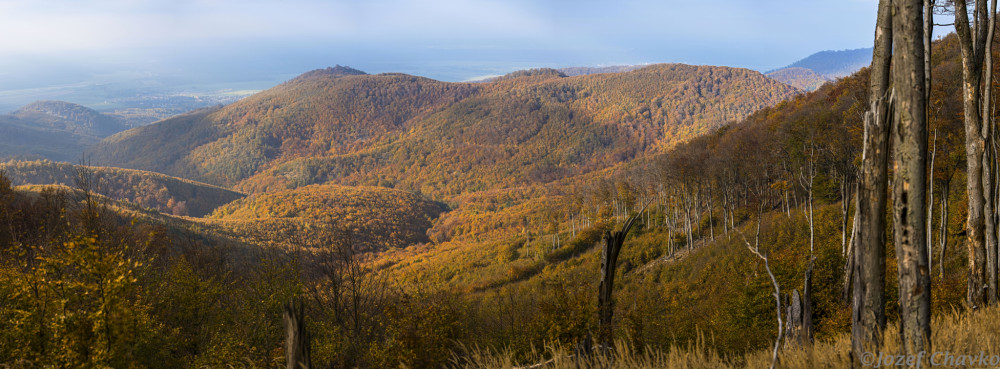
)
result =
(397, 220)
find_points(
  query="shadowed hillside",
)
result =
(442, 138)
(54, 130)
(152, 190)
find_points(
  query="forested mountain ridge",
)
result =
(821, 67)
(802, 78)
(70, 117)
(442, 138)
(147, 189)
(834, 64)
(54, 130)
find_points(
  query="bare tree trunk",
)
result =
(296, 337)
(986, 104)
(846, 198)
(777, 290)
(910, 177)
(851, 254)
(725, 212)
(711, 217)
(928, 43)
(943, 233)
(973, 51)
(613, 242)
(930, 191)
(868, 304)
(812, 180)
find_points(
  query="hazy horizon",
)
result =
(98, 48)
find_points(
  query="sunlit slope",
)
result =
(378, 218)
(442, 138)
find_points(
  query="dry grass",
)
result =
(955, 333)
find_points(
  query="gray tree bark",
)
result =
(989, 220)
(910, 177)
(973, 45)
(930, 190)
(868, 303)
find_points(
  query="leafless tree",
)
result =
(868, 303)
(910, 176)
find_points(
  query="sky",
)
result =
(51, 43)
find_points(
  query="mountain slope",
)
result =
(151, 190)
(54, 130)
(814, 70)
(78, 119)
(801, 78)
(377, 218)
(835, 63)
(22, 140)
(582, 71)
(442, 138)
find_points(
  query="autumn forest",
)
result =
(658, 216)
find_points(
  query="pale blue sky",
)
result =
(58, 41)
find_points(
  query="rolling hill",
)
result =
(376, 218)
(802, 78)
(64, 116)
(816, 69)
(147, 189)
(440, 138)
(54, 130)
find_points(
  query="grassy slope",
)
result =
(963, 336)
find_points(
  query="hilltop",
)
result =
(54, 130)
(816, 69)
(440, 138)
(69, 117)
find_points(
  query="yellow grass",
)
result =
(955, 335)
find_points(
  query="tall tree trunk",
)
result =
(943, 233)
(711, 216)
(850, 255)
(973, 46)
(868, 304)
(989, 219)
(296, 337)
(725, 212)
(812, 180)
(928, 43)
(930, 190)
(847, 197)
(910, 177)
